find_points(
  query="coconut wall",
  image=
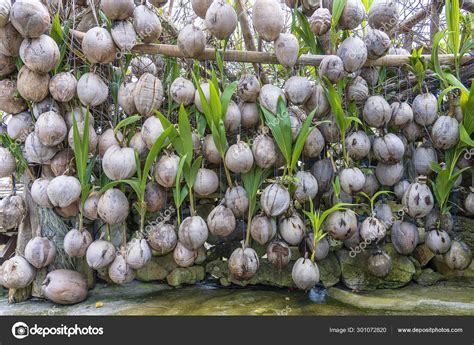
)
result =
(327, 143)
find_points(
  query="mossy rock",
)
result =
(440, 266)
(354, 273)
(181, 276)
(428, 277)
(329, 270)
(157, 269)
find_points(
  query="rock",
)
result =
(464, 227)
(354, 273)
(428, 277)
(157, 269)
(190, 275)
(329, 270)
(295, 253)
(423, 254)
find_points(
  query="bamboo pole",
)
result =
(270, 58)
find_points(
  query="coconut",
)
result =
(379, 264)
(107, 140)
(200, 7)
(7, 163)
(262, 229)
(205, 88)
(151, 130)
(40, 54)
(138, 253)
(119, 163)
(147, 24)
(292, 228)
(377, 112)
(423, 157)
(269, 95)
(162, 238)
(50, 128)
(438, 241)
(221, 19)
(30, 18)
(425, 109)
(353, 53)
(370, 75)
(124, 35)
(297, 90)
(296, 125)
(469, 203)
(91, 90)
(341, 225)
(388, 149)
(243, 263)
(193, 232)
(197, 145)
(418, 200)
(330, 129)
(357, 90)
(358, 145)
(183, 256)
(148, 94)
(435, 220)
(412, 131)
(322, 170)
(232, 118)
(275, 200)
(113, 207)
(90, 206)
(155, 197)
(40, 252)
(10, 41)
(237, 201)
(98, 46)
(119, 271)
(314, 144)
(12, 211)
(117, 9)
(305, 274)
(332, 67)
(267, 26)
(459, 256)
(125, 98)
(445, 133)
(32, 86)
(248, 88)
(93, 140)
(317, 101)
(78, 113)
(17, 273)
(211, 153)
(5, 7)
(352, 180)
(371, 185)
(320, 21)
(191, 41)
(36, 152)
(286, 49)
(239, 158)
(76, 243)
(404, 237)
(207, 182)
(377, 42)
(69, 211)
(166, 169)
(63, 87)
(39, 192)
(182, 91)
(278, 253)
(402, 115)
(389, 174)
(383, 15)
(63, 191)
(372, 230)
(306, 186)
(141, 65)
(400, 188)
(264, 151)
(7, 64)
(9, 100)
(352, 15)
(100, 254)
(383, 212)
(138, 144)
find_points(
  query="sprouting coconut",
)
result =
(320, 21)
(166, 170)
(17, 273)
(330, 130)
(469, 203)
(379, 264)
(357, 90)
(7, 163)
(221, 19)
(317, 101)
(78, 113)
(243, 263)
(323, 171)
(297, 89)
(412, 131)
(445, 132)
(353, 53)
(292, 228)
(206, 90)
(138, 253)
(388, 149)
(98, 46)
(267, 26)
(459, 256)
(148, 94)
(118, 163)
(389, 174)
(182, 91)
(19, 126)
(423, 156)
(248, 88)
(36, 152)
(117, 9)
(264, 151)
(183, 256)
(237, 201)
(358, 145)
(40, 252)
(90, 206)
(341, 225)
(377, 42)
(221, 221)
(269, 95)
(314, 144)
(404, 237)
(147, 24)
(91, 90)
(239, 158)
(296, 125)
(191, 41)
(278, 253)
(322, 247)
(93, 139)
(371, 185)
(65, 287)
(383, 15)
(193, 232)
(120, 271)
(51, 128)
(418, 200)
(32, 86)
(107, 139)
(352, 15)
(383, 212)
(12, 211)
(207, 182)
(151, 130)
(275, 200)
(100, 254)
(263, 228)
(232, 118)
(200, 7)
(425, 109)
(352, 180)
(402, 115)
(210, 151)
(400, 188)
(40, 54)
(305, 274)
(155, 197)
(125, 98)
(162, 238)
(141, 65)
(113, 207)
(438, 241)
(306, 186)
(124, 35)
(435, 220)
(30, 18)
(287, 49)
(376, 112)
(137, 143)
(63, 87)
(64, 191)
(39, 192)
(331, 67)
